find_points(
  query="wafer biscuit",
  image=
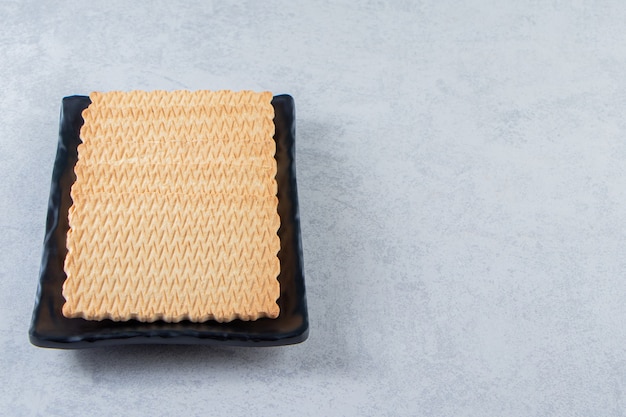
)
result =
(174, 213)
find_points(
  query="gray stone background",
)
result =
(462, 183)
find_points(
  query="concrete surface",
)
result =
(462, 182)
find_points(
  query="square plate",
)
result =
(49, 328)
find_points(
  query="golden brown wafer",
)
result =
(174, 211)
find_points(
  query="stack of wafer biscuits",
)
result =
(174, 209)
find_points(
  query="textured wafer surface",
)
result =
(174, 211)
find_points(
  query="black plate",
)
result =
(49, 328)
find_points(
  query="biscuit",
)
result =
(174, 209)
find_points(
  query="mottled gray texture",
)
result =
(461, 168)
